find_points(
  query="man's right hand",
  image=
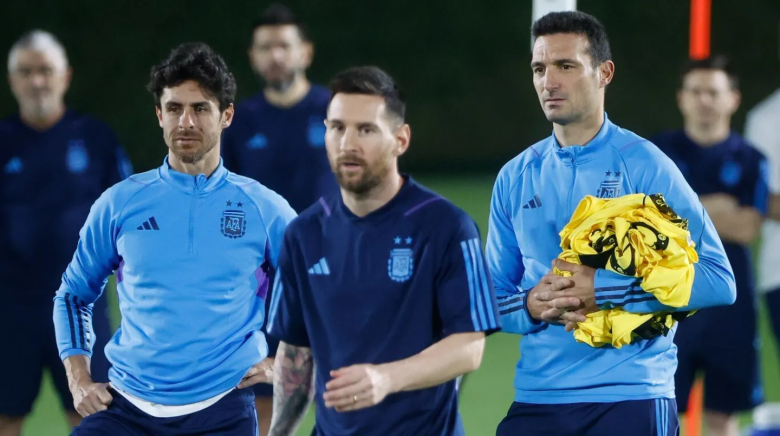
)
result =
(545, 304)
(89, 398)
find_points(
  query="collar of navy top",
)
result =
(583, 153)
(303, 102)
(189, 183)
(67, 117)
(729, 145)
(386, 208)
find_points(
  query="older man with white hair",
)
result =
(54, 163)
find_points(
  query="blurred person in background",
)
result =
(278, 136)
(55, 163)
(731, 179)
(762, 130)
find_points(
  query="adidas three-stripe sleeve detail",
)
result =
(466, 299)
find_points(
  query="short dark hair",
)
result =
(370, 81)
(716, 62)
(280, 15)
(578, 23)
(194, 61)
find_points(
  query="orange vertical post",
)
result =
(701, 17)
(694, 415)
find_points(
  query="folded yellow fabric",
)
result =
(635, 235)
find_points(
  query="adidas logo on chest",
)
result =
(320, 268)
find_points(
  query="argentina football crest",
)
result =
(400, 265)
(610, 186)
(233, 223)
(316, 132)
(730, 173)
(14, 166)
(257, 142)
(77, 159)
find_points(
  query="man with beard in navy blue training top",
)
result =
(732, 180)
(278, 136)
(384, 288)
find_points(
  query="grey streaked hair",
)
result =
(38, 40)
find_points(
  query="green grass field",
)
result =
(488, 392)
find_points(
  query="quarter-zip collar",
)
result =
(574, 154)
(197, 183)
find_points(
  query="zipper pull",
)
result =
(200, 180)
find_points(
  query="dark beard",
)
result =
(280, 86)
(372, 177)
(283, 84)
(361, 187)
(195, 157)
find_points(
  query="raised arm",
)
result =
(468, 310)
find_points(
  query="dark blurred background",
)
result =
(464, 68)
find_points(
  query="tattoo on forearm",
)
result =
(293, 388)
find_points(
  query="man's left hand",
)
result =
(356, 387)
